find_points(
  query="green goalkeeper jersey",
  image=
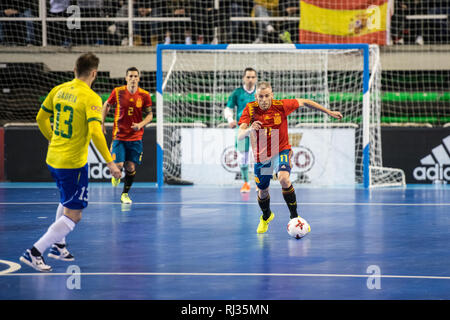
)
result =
(239, 98)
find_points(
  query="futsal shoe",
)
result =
(115, 182)
(37, 263)
(60, 252)
(264, 224)
(125, 198)
(245, 188)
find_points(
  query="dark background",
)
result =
(26, 150)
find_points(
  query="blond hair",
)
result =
(263, 85)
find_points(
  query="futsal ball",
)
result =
(298, 227)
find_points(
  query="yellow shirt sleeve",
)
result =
(47, 105)
(98, 138)
(94, 118)
(43, 121)
(43, 116)
(94, 109)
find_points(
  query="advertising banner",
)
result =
(26, 150)
(422, 153)
(320, 156)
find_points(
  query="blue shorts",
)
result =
(127, 151)
(72, 185)
(263, 171)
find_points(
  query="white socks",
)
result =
(57, 231)
(59, 214)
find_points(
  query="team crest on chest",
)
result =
(277, 118)
(139, 103)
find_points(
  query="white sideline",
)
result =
(190, 203)
(229, 275)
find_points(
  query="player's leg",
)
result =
(133, 158)
(73, 184)
(74, 196)
(59, 248)
(33, 256)
(118, 155)
(244, 166)
(59, 251)
(263, 174)
(130, 172)
(59, 214)
(243, 149)
(283, 175)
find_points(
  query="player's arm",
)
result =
(98, 138)
(94, 118)
(245, 130)
(105, 110)
(43, 121)
(314, 105)
(228, 110)
(246, 126)
(109, 103)
(229, 116)
(148, 118)
(44, 114)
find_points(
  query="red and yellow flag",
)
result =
(344, 21)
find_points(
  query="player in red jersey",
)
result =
(265, 121)
(130, 102)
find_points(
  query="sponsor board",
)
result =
(98, 170)
(436, 165)
(25, 142)
(320, 156)
(422, 153)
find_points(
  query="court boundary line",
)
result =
(12, 267)
(245, 202)
(213, 274)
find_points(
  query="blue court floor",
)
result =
(200, 242)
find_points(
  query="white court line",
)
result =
(249, 203)
(12, 267)
(226, 275)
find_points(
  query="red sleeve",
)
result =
(245, 117)
(112, 98)
(147, 100)
(289, 105)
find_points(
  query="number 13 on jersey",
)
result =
(64, 130)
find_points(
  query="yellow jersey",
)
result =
(73, 105)
(269, 4)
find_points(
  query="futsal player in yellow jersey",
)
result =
(77, 116)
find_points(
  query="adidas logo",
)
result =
(97, 165)
(435, 166)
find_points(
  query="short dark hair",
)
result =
(131, 69)
(85, 64)
(248, 69)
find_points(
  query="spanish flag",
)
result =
(345, 21)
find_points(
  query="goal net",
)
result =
(193, 86)
(416, 66)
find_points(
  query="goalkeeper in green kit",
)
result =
(239, 99)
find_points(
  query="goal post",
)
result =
(194, 81)
(160, 81)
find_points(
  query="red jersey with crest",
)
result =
(128, 111)
(273, 137)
